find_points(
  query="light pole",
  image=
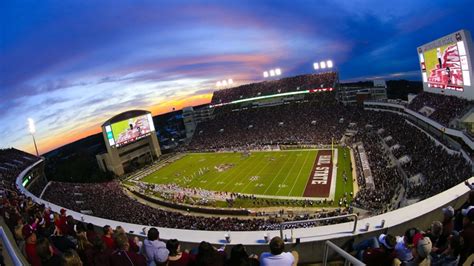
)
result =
(32, 129)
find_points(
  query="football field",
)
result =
(295, 173)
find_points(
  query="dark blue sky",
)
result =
(70, 65)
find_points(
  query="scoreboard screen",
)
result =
(446, 65)
(130, 130)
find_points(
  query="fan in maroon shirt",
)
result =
(108, 237)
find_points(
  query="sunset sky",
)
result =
(71, 65)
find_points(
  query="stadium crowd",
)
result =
(386, 178)
(303, 82)
(108, 200)
(293, 123)
(445, 107)
(48, 238)
(403, 139)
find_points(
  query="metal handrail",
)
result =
(348, 257)
(11, 252)
(321, 219)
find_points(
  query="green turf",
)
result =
(282, 173)
(343, 164)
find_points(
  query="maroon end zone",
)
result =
(319, 182)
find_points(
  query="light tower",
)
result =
(328, 64)
(32, 129)
(272, 73)
(224, 83)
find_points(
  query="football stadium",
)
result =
(300, 169)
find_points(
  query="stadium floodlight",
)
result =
(224, 82)
(316, 66)
(265, 74)
(272, 73)
(322, 64)
(31, 126)
(329, 63)
(32, 129)
(230, 81)
(278, 72)
(218, 84)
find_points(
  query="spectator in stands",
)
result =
(133, 247)
(100, 254)
(421, 251)
(448, 221)
(84, 247)
(123, 256)
(177, 257)
(208, 256)
(18, 233)
(107, 237)
(240, 257)
(403, 248)
(377, 251)
(91, 234)
(154, 250)
(437, 237)
(467, 233)
(30, 245)
(451, 256)
(71, 258)
(69, 228)
(60, 241)
(277, 256)
(459, 217)
(46, 253)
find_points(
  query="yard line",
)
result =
(194, 183)
(238, 175)
(288, 157)
(277, 175)
(287, 175)
(296, 179)
(226, 176)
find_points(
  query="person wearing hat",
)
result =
(421, 250)
(467, 232)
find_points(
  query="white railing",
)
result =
(320, 219)
(348, 258)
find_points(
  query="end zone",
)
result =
(322, 181)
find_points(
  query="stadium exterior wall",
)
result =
(311, 246)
